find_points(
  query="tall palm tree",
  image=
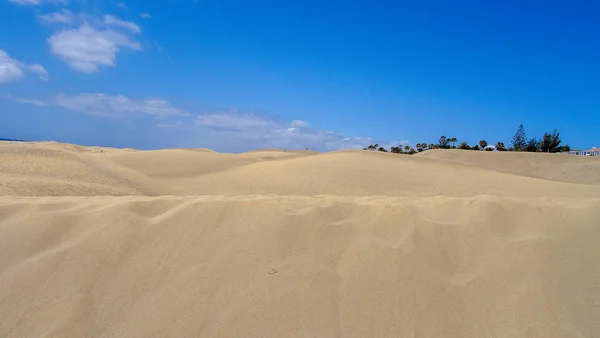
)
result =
(453, 140)
(483, 144)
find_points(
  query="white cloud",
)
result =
(36, 2)
(13, 70)
(10, 69)
(39, 70)
(225, 131)
(86, 49)
(233, 121)
(113, 21)
(34, 102)
(145, 15)
(116, 105)
(300, 124)
(104, 105)
(235, 131)
(64, 16)
(25, 2)
(24, 100)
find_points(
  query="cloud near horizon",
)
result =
(89, 42)
(227, 131)
(235, 131)
(245, 131)
(116, 106)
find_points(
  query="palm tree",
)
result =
(406, 148)
(483, 144)
(463, 145)
(452, 140)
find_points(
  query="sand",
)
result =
(104, 242)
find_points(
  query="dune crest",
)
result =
(126, 243)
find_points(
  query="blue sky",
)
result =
(237, 75)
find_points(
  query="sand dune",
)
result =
(104, 242)
(554, 167)
(52, 169)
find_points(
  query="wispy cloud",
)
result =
(104, 105)
(116, 105)
(145, 15)
(238, 131)
(34, 102)
(38, 70)
(86, 48)
(228, 131)
(300, 124)
(63, 16)
(233, 121)
(13, 70)
(24, 100)
(110, 20)
(122, 5)
(25, 2)
(36, 2)
(158, 46)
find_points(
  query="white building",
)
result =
(591, 152)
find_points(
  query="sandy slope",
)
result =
(102, 242)
(555, 167)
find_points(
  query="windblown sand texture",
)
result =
(103, 242)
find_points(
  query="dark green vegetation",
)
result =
(549, 143)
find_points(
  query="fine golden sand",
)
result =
(104, 242)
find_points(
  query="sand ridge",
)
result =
(53, 169)
(107, 242)
(553, 167)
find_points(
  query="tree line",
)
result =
(550, 142)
